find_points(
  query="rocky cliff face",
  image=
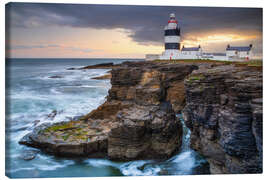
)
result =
(140, 95)
(224, 113)
(136, 122)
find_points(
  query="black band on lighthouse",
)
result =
(172, 32)
(172, 46)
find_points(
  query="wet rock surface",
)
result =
(136, 122)
(28, 155)
(100, 66)
(224, 112)
(106, 76)
(73, 138)
(56, 77)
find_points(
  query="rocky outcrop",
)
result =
(97, 66)
(224, 112)
(136, 122)
(55, 77)
(106, 76)
(100, 66)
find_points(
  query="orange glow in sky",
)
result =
(116, 43)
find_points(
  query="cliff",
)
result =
(136, 122)
(221, 105)
(224, 113)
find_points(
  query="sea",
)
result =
(31, 95)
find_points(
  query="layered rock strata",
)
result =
(224, 114)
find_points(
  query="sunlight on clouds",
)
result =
(87, 42)
(224, 37)
(218, 38)
(107, 43)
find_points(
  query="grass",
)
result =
(58, 127)
(195, 78)
(191, 61)
(72, 131)
(250, 63)
(65, 137)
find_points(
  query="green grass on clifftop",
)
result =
(251, 63)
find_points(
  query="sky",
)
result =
(43, 30)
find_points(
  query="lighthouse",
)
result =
(172, 38)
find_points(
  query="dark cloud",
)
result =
(145, 23)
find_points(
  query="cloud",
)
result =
(145, 23)
(69, 48)
(83, 50)
(31, 46)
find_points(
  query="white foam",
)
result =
(101, 162)
(19, 169)
(48, 163)
(184, 162)
(49, 167)
(132, 168)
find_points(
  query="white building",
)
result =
(239, 52)
(215, 56)
(191, 52)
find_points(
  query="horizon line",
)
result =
(65, 58)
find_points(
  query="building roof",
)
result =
(190, 49)
(208, 54)
(219, 54)
(238, 48)
(214, 54)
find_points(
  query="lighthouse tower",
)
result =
(171, 39)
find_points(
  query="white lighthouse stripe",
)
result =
(172, 39)
(171, 26)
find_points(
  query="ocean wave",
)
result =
(139, 168)
(101, 162)
(51, 166)
(68, 76)
(9, 171)
(49, 163)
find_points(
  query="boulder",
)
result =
(145, 133)
(56, 77)
(28, 155)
